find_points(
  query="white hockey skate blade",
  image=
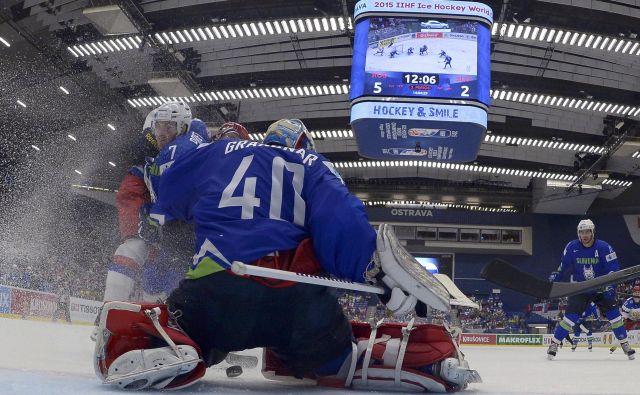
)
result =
(408, 273)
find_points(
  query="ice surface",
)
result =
(463, 53)
(46, 358)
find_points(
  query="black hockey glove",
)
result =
(149, 229)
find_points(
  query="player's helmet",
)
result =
(636, 293)
(586, 224)
(289, 133)
(175, 111)
(230, 130)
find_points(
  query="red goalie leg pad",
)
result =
(428, 343)
(125, 327)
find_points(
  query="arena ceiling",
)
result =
(562, 128)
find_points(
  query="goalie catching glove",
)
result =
(137, 348)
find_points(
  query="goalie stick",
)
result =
(242, 269)
(507, 275)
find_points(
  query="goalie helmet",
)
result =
(289, 133)
(230, 130)
(137, 348)
(586, 224)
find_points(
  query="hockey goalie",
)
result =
(282, 205)
(144, 346)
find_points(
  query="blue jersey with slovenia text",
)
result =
(585, 263)
(248, 200)
(181, 145)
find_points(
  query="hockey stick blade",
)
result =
(508, 276)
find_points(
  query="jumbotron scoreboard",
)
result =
(420, 79)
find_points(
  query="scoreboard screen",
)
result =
(420, 79)
(414, 57)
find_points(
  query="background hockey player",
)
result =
(247, 202)
(424, 49)
(380, 51)
(132, 253)
(630, 311)
(584, 326)
(447, 61)
(586, 258)
(410, 51)
(394, 52)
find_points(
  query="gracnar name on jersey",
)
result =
(307, 158)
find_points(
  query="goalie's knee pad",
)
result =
(137, 348)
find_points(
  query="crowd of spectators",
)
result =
(383, 28)
(491, 316)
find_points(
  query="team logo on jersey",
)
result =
(588, 272)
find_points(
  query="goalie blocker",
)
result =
(139, 348)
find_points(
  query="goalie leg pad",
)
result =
(139, 334)
(397, 357)
(401, 270)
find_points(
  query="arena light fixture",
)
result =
(5, 42)
(35, 147)
(110, 126)
(250, 94)
(473, 169)
(112, 164)
(197, 33)
(21, 103)
(566, 37)
(72, 137)
(64, 90)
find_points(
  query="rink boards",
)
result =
(599, 339)
(28, 304)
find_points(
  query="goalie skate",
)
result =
(397, 263)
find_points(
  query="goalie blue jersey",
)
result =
(248, 200)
